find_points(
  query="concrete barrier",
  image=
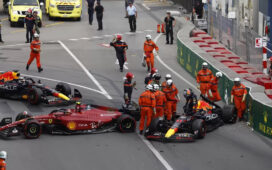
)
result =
(190, 56)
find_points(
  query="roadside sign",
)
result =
(258, 43)
(264, 41)
(231, 15)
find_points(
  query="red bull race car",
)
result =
(12, 86)
(83, 119)
(189, 127)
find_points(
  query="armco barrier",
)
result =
(259, 107)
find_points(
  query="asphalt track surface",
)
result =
(229, 147)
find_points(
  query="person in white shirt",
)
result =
(132, 15)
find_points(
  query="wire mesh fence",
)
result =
(235, 36)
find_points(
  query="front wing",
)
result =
(178, 137)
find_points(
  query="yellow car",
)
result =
(64, 9)
(18, 9)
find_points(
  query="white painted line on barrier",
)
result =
(72, 84)
(170, 69)
(156, 153)
(149, 30)
(86, 71)
(146, 7)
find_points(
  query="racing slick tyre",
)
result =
(34, 96)
(64, 88)
(199, 128)
(229, 114)
(154, 126)
(32, 129)
(21, 116)
(126, 123)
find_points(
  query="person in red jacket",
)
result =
(35, 52)
(160, 101)
(3, 157)
(147, 103)
(172, 97)
(238, 97)
(203, 79)
(128, 87)
(213, 94)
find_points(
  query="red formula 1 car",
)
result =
(84, 119)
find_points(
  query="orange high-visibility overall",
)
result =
(3, 164)
(214, 88)
(203, 78)
(171, 104)
(35, 54)
(160, 103)
(149, 46)
(238, 92)
(147, 103)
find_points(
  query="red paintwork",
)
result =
(84, 120)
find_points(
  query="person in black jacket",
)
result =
(1, 40)
(29, 25)
(169, 22)
(120, 48)
(99, 9)
(90, 10)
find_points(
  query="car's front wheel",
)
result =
(126, 123)
(199, 128)
(34, 96)
(32, 129)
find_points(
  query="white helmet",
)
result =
(149, 87)
(36, 35)
(219, 74)
(148, 37)
(237, 79)
(156, 87)
(169, 82)
(204, 64)
(3, 155)
(168, 76)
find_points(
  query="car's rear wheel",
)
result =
(126, 123)
(199, 128)
(64, 88)
(21, 116)
(229, 114)
(34, 95)
(32, 129)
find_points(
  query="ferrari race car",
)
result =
(35, 92)
(83, 119)
(187, 128)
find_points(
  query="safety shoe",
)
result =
(27, 67)
(167, 43)
(121, 70)
(40, 69)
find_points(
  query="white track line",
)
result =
(86, 71)
(170, 69)
(72, 84)
(85, 38)
(125, 67)
(146, 7)
(13, 45)
(73, 39)
(156, 153)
